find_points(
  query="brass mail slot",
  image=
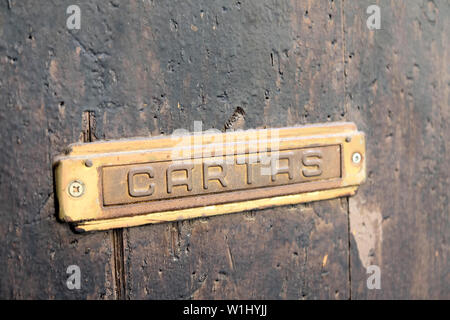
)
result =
(111, 184)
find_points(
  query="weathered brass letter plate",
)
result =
(122, 183)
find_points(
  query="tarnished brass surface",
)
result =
(138, 181)
(171, 179)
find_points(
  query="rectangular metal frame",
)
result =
(88, 162)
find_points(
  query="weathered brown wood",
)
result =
(296, 252)
(397, 90)
(40, 114)
(150, 67)
(281, 62)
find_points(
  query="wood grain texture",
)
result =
(397, 89)
(147, 68)
(296, 252)
(192, 61)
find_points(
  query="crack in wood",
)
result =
(88, 135)
(344, 72)
(119, 264)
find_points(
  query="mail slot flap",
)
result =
(144, 177)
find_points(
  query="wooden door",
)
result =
(145, 68)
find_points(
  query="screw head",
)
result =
(356, 157)
(76, 189)
(88, 163)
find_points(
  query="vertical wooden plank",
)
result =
(397, 88)
(150, 68)
(42, 96)
(295, 252)
(185, 61)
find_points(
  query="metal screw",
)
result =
(348, 139)
(356, 157)
(88, 163)
(76, 189)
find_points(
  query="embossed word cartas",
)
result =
(122, 183)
